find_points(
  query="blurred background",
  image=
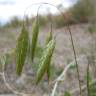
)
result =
(16, 8)
(19, 10)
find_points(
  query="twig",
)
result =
(54, 89)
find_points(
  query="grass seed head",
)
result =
(21, 50)
(45, 60)
(35, 33)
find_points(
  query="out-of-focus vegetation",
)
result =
(14, 22)
(82, 12)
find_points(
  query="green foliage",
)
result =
(21, 50)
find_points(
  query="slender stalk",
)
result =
(75, 57)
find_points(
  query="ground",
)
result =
(63, 55)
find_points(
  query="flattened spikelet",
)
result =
(48, 39)
(48, 68)
(21, 50)
(44, 60)
(34, 38)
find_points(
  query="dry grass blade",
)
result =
(21, 50)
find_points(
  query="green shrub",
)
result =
(82, 10)
(14, 22)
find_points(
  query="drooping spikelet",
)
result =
(35, 32)
(45, 59)
(21, 50)
(48, 39)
